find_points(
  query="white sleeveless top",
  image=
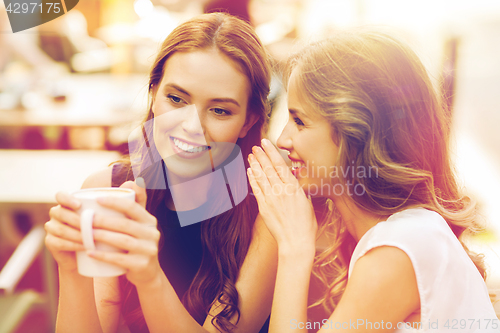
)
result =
(452, 292)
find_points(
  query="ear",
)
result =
(153, 90)
(251, 120)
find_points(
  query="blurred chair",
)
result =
(16, 305)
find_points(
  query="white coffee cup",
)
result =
(88, 266)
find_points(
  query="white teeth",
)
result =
(188, 148)
(296, 165)
(195, 150)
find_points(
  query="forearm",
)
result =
(162, 309)
(77, 311)
(291, 291)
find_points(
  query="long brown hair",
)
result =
(227, 237)
(385, 114)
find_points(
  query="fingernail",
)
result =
(266, 142)
(75, 203)
(90, 253)
(250, 157)
(140, 182)
(249, 170)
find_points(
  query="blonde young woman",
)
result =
(208, 89)
(368, 133)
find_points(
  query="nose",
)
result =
(192, 122)
(285, 139)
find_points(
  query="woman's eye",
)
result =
(174, 99)
(221, 112)
(298, 121)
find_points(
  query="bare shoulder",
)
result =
(100, 178)
(386, 272)
(383, 273)
(384, 265)
(388, 257)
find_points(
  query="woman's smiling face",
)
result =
(308, 138)
(200, 110)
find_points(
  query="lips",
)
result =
(187, 149)
(297, 167)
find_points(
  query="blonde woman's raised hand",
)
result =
(135, 234)
(283, 205)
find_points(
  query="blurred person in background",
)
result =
(66, 39)
(368, 135)
(23, 65)
(216, 275)
(18, 44)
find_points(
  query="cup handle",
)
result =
(86, 220)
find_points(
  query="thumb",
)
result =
(140, 191)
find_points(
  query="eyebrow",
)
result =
(219, 100)
(296, 112)
(176, 87)
(226, 100)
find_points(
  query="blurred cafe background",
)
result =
(72, 89)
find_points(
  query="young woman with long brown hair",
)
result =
(208, 87)
(368, 133)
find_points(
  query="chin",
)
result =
(186, 170)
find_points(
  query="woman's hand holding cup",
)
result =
(135, 234)
(124, 233)
(63, 232)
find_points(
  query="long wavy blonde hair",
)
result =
(385, 114)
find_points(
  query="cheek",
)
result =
(160, 108)
(304, 147)
(161, 122)
(224, 130)
(167, 117)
